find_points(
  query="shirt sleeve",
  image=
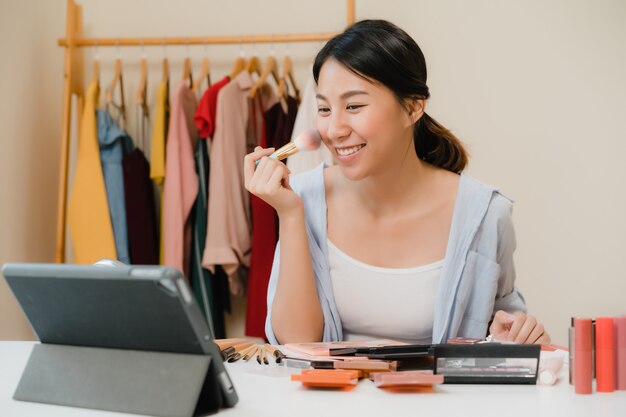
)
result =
(508, 297)
(271, 291)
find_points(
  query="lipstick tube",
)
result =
(620, 352)
(605, 355)
(582, 356)
(570, 345)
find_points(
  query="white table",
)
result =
(268, 391)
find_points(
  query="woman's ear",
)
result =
(415, 109)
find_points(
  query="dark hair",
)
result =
(380, 51)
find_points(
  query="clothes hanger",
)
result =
(204, 74)
(187, 75)
(95, 72)
(240, 63)
(117, 79)
(238, 66)
(270, 67)
(287, 74)
(142, 100)
(166, 71)
(254, 65)
(142, 90)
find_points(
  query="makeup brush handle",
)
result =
(274, 155)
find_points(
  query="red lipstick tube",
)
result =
(582, 356)
(620, 352)
(605, 355)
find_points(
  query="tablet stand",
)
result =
(130, 381)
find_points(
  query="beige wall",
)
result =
(537, 90)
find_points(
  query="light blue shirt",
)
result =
(114, 144)
(478, 276)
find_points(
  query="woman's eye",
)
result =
(323, 110)
(354, 106)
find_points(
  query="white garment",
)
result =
(307, 119)
(375, 302)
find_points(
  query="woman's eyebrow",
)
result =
(345, 95)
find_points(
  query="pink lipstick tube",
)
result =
(605, 355)
(620, 352)
(582, 356)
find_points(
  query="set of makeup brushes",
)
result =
(237, 349)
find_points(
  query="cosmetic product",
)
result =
(570, 346)
(406, 379)
(489, 363)
(327, 378)
(582, 356)
(309, 140)
(549, 370)
(620, 352)
(277, 353)
(605, 355)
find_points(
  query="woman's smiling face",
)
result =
(362, 122)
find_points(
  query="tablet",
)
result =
(123, 307)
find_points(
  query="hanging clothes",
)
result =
(139, 197)
(157, 151)
(278, 126)
(307, 119)
(181, 181)
(229, 224)
(88, 211)
(200, 278)
(114, 144)
(205, 285)
(159, 130)
(140, 210)
(207, 109)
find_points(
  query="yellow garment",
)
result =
(159, 130)
(88, 211)
(157, 158)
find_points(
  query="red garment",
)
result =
(276, 131)
(207, 109)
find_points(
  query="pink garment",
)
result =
(181, 179)
(229, 227)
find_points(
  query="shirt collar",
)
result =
(244, 80)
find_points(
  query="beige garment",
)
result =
(307, 119)
(229, 227)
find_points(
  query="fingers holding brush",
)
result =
(270, 181)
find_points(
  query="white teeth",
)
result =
(349, 151)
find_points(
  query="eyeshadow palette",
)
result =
(488, 363)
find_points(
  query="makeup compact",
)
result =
(406, 379)
(487, 363)
(327, 378)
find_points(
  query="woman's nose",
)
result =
(337, 128)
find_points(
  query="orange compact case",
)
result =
(406, 379)
(327, 378)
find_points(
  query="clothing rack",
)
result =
(73, 83)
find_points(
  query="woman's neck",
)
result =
(399, 186)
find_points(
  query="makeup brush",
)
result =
(309, 140)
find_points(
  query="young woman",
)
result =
(394, 241)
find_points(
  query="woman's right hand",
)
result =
(270, 182)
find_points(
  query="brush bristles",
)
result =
(309, 140)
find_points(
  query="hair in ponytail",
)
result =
(438, 146)
(380, 51)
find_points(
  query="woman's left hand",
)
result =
(518, 327)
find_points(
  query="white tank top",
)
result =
(375, 302)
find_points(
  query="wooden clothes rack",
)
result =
(73, 83)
